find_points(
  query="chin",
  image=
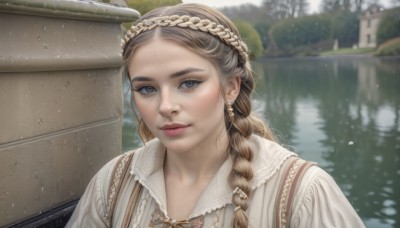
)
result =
(176, 145)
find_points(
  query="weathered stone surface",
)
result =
(60, 101)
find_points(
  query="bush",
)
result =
(390, 47)
(389, 27)
(251, 38)
(296, 32)
(262, 29)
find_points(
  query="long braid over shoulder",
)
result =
(240, 128)
(241, 153)
(213, 36)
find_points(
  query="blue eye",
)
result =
(190, 84)
(145, 90)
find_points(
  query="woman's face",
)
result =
(178, 95)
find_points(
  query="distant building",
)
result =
(369, 22)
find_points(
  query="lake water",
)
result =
(343, 113)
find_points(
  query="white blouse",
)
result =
(319, 202)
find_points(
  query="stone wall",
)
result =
(60, 100)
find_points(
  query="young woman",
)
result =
(207, 160)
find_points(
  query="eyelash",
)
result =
(194, 82)
(142, 91)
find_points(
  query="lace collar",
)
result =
(147, 168)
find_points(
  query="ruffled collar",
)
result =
(147, 168)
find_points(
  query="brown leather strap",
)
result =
(133, 199)
(287, 190)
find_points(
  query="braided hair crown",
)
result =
(189, 22)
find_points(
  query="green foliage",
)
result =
(389, 27)
(348, 51)
(286, 8)
(291, 33)
(262, 29)
(251, 38)
(311, 34)
(333, 6)
(345, 28)
(144, 6)
(391, 47)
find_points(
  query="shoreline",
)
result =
(344, 56)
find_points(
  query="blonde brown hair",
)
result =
(229, 54)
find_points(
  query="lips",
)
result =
(174, 129)
(173, 126)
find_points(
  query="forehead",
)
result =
(159, 56)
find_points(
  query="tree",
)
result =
(345, 28)
(251, 38)
(335, 5)
(358, 4)
(292, 33)
(389, 27)
(348, 5)
(286, 8)
(303, 7)
(262, 28)
(247, 12)
(144, 6)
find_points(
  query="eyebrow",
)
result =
(174, 75)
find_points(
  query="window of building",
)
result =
(368, 23)
(368, 38)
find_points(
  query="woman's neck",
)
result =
(200, 163)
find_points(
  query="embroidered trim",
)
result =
(263, 175)
(287, 191)
(283, 210)
(117, 177)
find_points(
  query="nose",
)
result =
(168, 104)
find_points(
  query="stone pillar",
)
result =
(60, 100)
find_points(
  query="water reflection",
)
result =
(343, 113)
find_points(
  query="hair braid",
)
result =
(194, 23)
(241, 153)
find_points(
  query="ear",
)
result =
(232, 88)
